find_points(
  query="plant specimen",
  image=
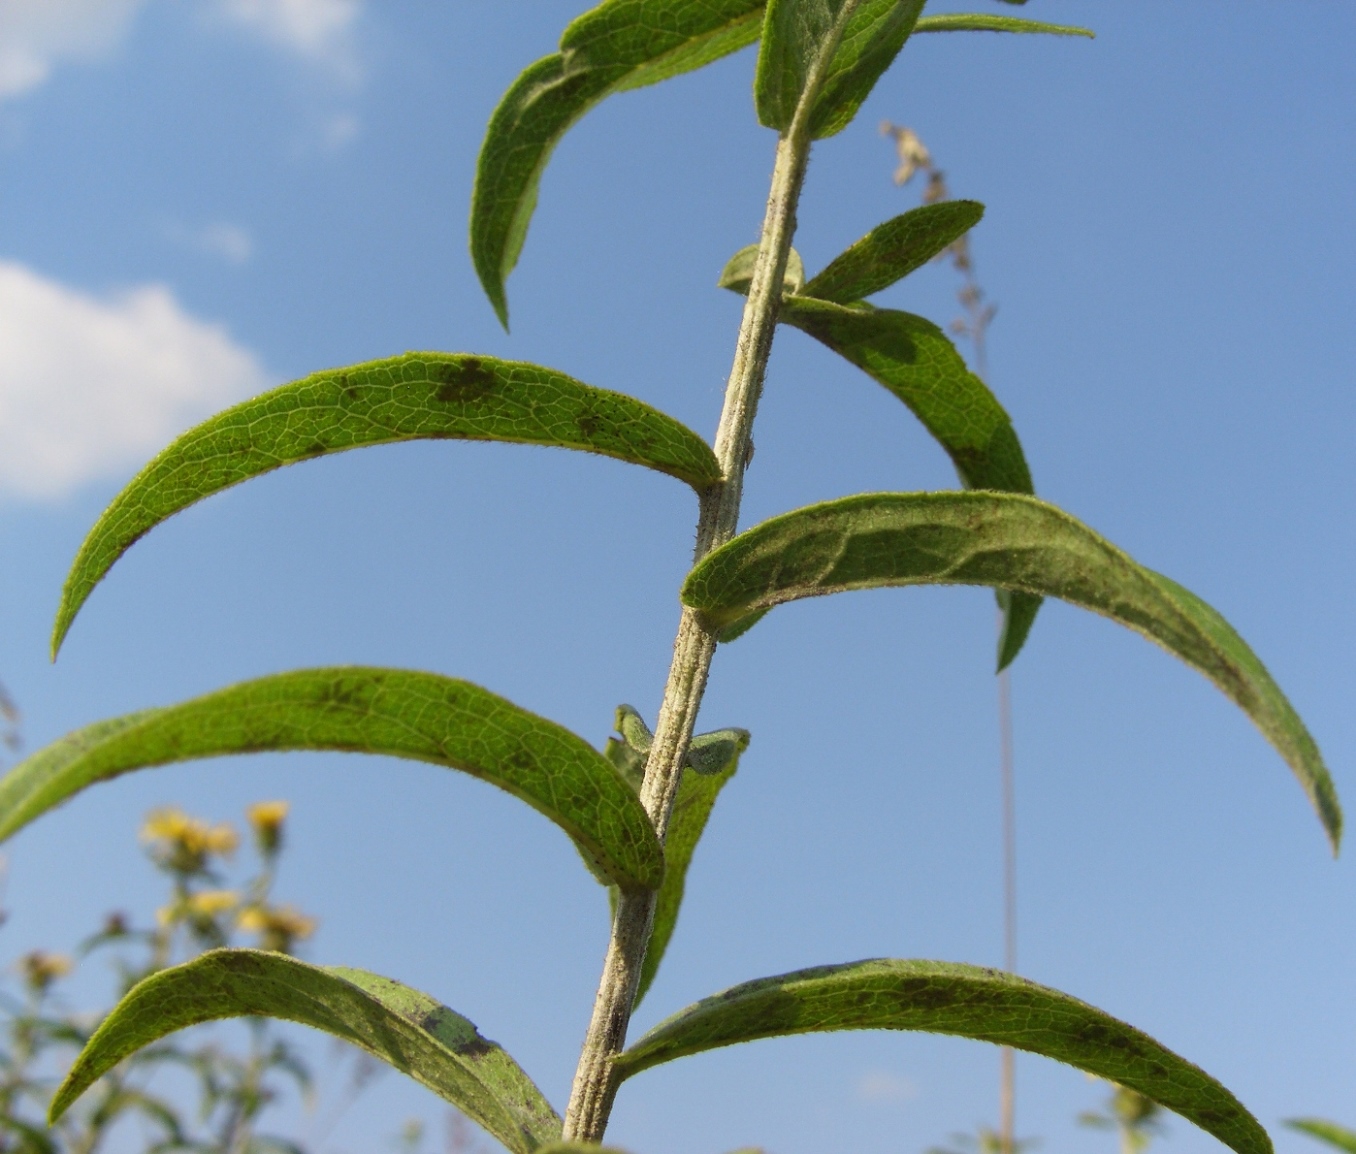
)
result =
(233, 1086)
(636, 809)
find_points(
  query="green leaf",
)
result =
(577, 1148)
(737, 274)
(417, 396)
(795, 34)
(987, 1005)
(399, 713)
(874, 36)
(712, 759)
(891, 251)
(697, 793)
(917, 362)
(977, 22)
(863, 38)
(619, 45)
(1011, 542)
(411, 1031)
(1329, 1132)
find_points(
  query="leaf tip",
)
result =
(64, 1098)
(65, 615)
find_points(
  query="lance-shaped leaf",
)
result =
(1010, 542)
(418, 396)
(712, 759)
(846, 45)
(917, 362)
(619, 45)
(889, 252)
(981, 22)
(1334, 1135)
(937, 997)
(361, 710)
(399, 1025)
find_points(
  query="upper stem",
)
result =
(595, 1084)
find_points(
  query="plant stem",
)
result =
(594, 1083)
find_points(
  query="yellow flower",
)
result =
(184, 844)
(278, 927)
(267, 818)
(210, 903)
(41, 969)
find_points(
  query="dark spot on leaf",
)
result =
(588, 425)
(465, 380)
(475, 1047)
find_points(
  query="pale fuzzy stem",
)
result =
(1007, 1097)
(594, 1083)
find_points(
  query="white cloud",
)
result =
(321, 30)
(229, 242)
(884, 1086)
(91, 387)
(35, 34)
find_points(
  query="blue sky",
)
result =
(199, 201)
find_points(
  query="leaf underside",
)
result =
(1334, 1135)
(920, 365)
(399, 1025)
(398, 713)
(1007, 541)
(917, 362)
(937, 997)
(697, 793)
(797, 35)
(978, 22)
(712, 759)
(417, 396)
(619, 45)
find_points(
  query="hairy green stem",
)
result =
(595, 1084)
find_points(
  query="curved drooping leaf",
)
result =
(399, 1025)
(396, 712)
(1007, 541)
(1329, 1132)
(917, 362)
(890, 251)
(981, 22)
(941, 998)
(864, 38)
(619, 45)
(712, 759)
(418, 396)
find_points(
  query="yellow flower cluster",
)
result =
(41, 969)
(185, 844)
(267, 817)
(279, 927)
